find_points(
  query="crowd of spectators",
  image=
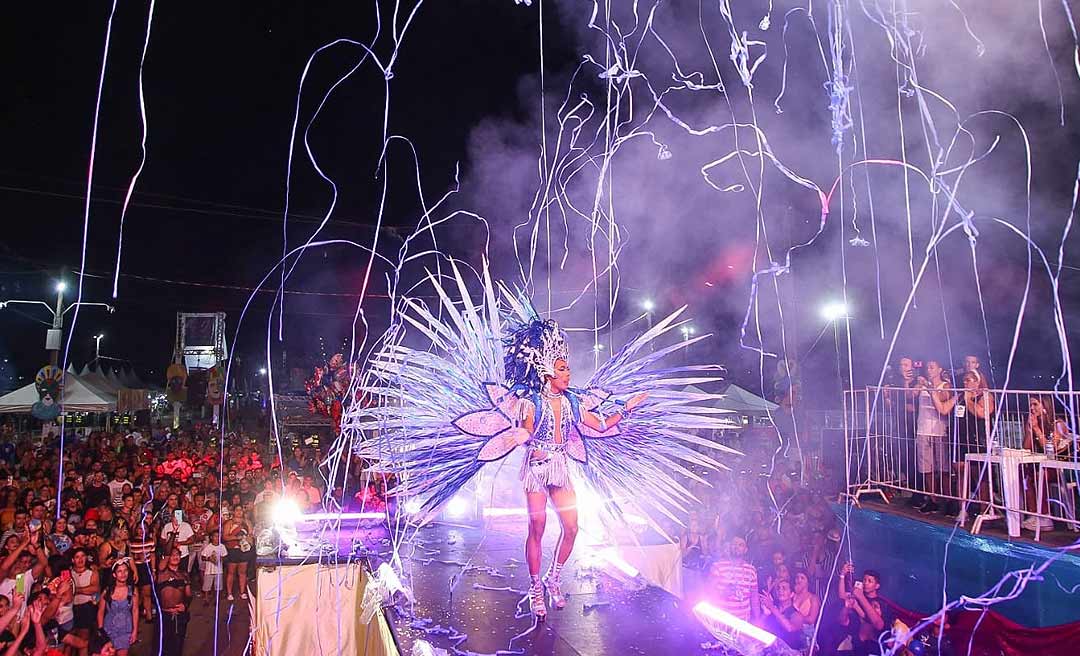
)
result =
(765, 546)
(935, 417)
(149, 523)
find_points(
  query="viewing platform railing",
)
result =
(994, 454)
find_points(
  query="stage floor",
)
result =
(601, 617)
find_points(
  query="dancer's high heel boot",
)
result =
(536, 599)
(554, 586)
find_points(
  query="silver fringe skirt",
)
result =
(551, 469)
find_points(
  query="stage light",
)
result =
(834, 310)
(713, 618)
(611, 555)
(457, 508)
(61, 286)
(588, 503)
(648, 305)
(342, 516)
(413, 506)
(285, 513)
(262, 371)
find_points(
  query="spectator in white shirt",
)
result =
(181, 534)
(212, 557)
(116, 487)
(314, 495)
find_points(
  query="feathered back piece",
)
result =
(532, 347)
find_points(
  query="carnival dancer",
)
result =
(538, 360)
(494, 376)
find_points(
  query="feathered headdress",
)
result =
(532, 347)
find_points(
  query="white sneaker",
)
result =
(231, 598)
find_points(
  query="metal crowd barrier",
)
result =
(972, 453)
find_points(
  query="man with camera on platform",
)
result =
(864, 614)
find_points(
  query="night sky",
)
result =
(220, 84)
(205, 224)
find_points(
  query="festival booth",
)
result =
(132, 395)
(78, 396)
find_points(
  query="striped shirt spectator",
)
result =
(733, 583)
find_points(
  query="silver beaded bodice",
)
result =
(544, 425)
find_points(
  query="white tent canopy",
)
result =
(130, 380)
(742, 401)
(78, 397)
(745, 401)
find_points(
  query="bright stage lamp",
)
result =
(61, 286)
(457, 508)
(723, 624)
(648, 305)
(612, 556)
(834, 311)
(588, 503)
(285, 513)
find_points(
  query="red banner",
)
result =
(996, 635)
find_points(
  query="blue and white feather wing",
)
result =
(645, 467)
(437, 404)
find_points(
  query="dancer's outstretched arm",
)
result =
(597, 423)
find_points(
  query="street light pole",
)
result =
(54, 336)
(649, 306)
(57, 325)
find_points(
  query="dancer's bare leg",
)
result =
(536, 504)
(566, 506)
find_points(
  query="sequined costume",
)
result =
(546, 463)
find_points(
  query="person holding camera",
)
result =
(931, 452)
(24, 565)
(864, 614)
